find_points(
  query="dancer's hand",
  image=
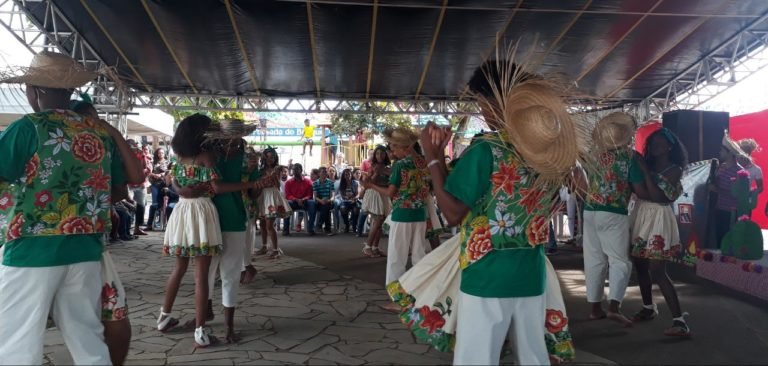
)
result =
(433, 140)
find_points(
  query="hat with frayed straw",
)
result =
(230, 129)
(733, 147)
(49, 70)
(536, 120)
(614, 131)
(401, 136)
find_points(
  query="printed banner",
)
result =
(691, 209)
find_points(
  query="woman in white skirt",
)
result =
(375, 203)
(271, 204)
(655, 236)
(193, 230)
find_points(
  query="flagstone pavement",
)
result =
(295, 312)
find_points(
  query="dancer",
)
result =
(271, 204)
(606, 224)
(374, 203)
(193, 230)
(54, 265)
(656, 239)
(750, 146)
(727, 172)
(501, 192)
(408, 187)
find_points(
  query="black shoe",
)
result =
(285, 233)
(346, 230)
(311, 233)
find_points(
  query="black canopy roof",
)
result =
(397, 49)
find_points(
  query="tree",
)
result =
(215, 115)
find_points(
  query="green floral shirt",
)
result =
(55, 189)
(190, 174)
(610, 184)
(509, 218)
(412, 189)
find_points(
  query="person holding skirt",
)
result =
(271, 204)
(193, 230)
(656, 238)
(502, 193)
(374, 202)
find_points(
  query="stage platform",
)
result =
(750, 277)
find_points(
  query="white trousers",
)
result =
(27, 296)
(484, 323)
(405, 237)
(250, 242)
(606, 251)
(229, 264)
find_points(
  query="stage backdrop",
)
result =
(754, 125)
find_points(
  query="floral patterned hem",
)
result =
(654, 249)
(112, 308)
(191, 251)
(426, 322)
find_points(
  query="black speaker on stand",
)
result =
(701, 132)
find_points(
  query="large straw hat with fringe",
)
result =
(402, 136)
(733, 147)
(614, 131)
(230, 129)
(49, 70)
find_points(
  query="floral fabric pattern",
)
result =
(74, 154)
(179, 250)
(656, 248)
(609, 185)
(187, 175)
(414, 186)
(514, 214)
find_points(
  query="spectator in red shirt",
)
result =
(298, 193)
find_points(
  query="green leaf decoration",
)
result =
(62, 202)
(51, 218)
(69, 211)
(449, 301)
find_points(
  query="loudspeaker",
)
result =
(701, 132)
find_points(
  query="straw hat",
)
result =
(733, 147)
(49, 70)
(614, 131)
(230, 129)
(402, 136)
(537, 122)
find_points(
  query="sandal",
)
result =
(275, 254)
(262, 251)
(378, 253)
(646, 314)
(166, 322)
(679, 329)
(367, 251)
(248, 275)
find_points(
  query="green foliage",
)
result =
(216, 115)
(376, 123)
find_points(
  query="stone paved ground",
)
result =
(295, 312)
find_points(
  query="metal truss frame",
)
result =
(302, 105)
(56, 33)
(721, 69)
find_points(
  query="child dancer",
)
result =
(193, 230)
(250, 170)
(271, 203)
(376, 204)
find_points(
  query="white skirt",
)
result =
(654, 233)
(375, 203)
(434, 226)
(113, 301)
(193, 229)
(271, 204)
(431, 288)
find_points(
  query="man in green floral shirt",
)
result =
(59, 171)
(606, 225)
(494, 194)
(408, 187)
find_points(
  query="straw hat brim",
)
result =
(225, 134)
(536, 120)
(400, 136)
(46, 78)
(614, 131)
(733, 147)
